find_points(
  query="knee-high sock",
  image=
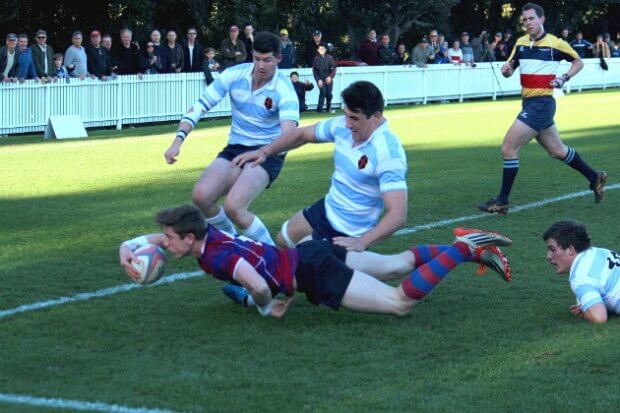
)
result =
(222, 222)
(420, 282)
(511, 168)
(426, 253)
(573, 160)
(258, 232)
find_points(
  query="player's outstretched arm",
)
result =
(291, 139)
(246, 275)
(126, 255)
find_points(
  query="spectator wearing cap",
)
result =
(467, 49)
(9, 61)
(42, 56)
(127, 55)
(26, 68)
(422, 53)
(300, 89)
(312, 48)
(247, 37)
(324, 70)
(369, 49)
(76, 61)
(232, 49)
(193, 52)
(387, 53)
(176, 60)
(289, 53)
(98, 58)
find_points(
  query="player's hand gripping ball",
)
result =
(151, 263)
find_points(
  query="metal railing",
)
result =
(131, 100)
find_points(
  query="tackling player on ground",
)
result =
(539, 54)
(594, 272)
(328, 274)
(264, 105)
(369, 175)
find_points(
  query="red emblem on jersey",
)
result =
(361, 163)
(268, 103)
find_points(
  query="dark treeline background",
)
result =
(343, 22)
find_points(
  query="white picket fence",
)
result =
(131, 100)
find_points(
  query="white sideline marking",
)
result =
(74, 404)
(182, 276)
(518, 208)
(96, 294)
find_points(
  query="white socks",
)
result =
(222, 222)
(258, 232)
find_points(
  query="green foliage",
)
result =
(475, 344)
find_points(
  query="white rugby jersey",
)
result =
(595, 278)
(256, 115)
(353, 204)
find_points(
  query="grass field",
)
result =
(475, 344)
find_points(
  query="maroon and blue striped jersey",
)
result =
(223, 252)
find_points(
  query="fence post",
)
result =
(119, 103)
(461, 83)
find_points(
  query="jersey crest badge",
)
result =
(268, 103)
(362, 162)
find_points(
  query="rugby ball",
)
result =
(151, 263)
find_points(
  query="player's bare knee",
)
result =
(280, 241)
(233, 211)
(202, 198)
(508, 151)
(403, 306)
(557, 153)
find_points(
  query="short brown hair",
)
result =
(540, 12)
(186, 219)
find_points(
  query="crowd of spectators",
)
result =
(104, 58)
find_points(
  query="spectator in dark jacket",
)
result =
(209, 64)
(247, 37)
(289, 53)
(300, 89)
(403, 56)
(150, 63)
(387, 53)
(26, 65)
(312, 48)
(127, 55)
(232, 49)
(193, 52)
(369, 49)
(98, 58)
(160, 50)
(9, 60)
(106, 41)
(581, 46)
(174, 52)
(42, 56)
(324, 70)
